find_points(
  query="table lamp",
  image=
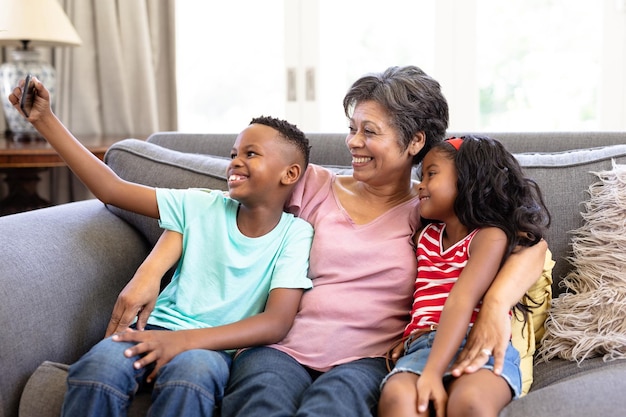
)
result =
(25, 24)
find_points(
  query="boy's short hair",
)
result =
(290, 133)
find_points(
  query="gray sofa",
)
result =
(61, 268)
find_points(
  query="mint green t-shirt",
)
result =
(224, 276)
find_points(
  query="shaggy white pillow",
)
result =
(589, 319)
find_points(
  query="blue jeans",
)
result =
(418, 350)
(267, 382)
(103, 382)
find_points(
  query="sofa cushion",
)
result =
(326, 148)
(146, 163)
(44, 392)
(527, 330)
(564, 178)
(588, 320)
(555, 141)
(62, 269)
(563, 389)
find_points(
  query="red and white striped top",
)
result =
(437, 271)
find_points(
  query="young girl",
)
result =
(477, 208)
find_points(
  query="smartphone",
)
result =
(28, 95)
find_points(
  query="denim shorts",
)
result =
(416, 354)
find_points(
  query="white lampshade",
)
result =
(28, 23)
(41, 22)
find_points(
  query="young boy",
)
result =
(242, 269)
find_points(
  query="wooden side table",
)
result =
(22, 162)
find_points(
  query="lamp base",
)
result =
(25, 61)
(23, 136)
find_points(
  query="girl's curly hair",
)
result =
(493, 191)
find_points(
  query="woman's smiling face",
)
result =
(377, 154)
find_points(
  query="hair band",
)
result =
(456, 142)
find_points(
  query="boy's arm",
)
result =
(492, 330)
(94, 173)
(289, 279)
(139, 296)
(487, 249)
(270, 326)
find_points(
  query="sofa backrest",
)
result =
(326, 148)
(519, 142)
(330, 148)
(179, 160)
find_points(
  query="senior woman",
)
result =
(363, 264)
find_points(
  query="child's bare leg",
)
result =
(482, 393)
(399, 396)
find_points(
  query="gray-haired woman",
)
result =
(363, 265)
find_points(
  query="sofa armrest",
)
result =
(61, 270)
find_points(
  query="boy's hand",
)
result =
(41, 104)
(137, 299)
(159, 346)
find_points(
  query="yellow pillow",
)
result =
(527, 335)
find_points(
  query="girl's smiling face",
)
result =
(437, 190)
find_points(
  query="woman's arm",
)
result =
(139, 296)
(492, 330)
(95, 174)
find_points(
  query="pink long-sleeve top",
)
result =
(363, 278)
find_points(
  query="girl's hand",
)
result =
(430, 388)
(159, 346)
(397, 351)
(137, 299)
(41, 104)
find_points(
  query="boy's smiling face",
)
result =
(259, 160)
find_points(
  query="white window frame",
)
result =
(455, 62)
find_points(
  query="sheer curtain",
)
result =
(122, 80)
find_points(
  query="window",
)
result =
(230, 63)
(514, 65)
(539, 64)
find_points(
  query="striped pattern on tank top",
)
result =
(438, 270)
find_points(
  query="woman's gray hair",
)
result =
(412, 99)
